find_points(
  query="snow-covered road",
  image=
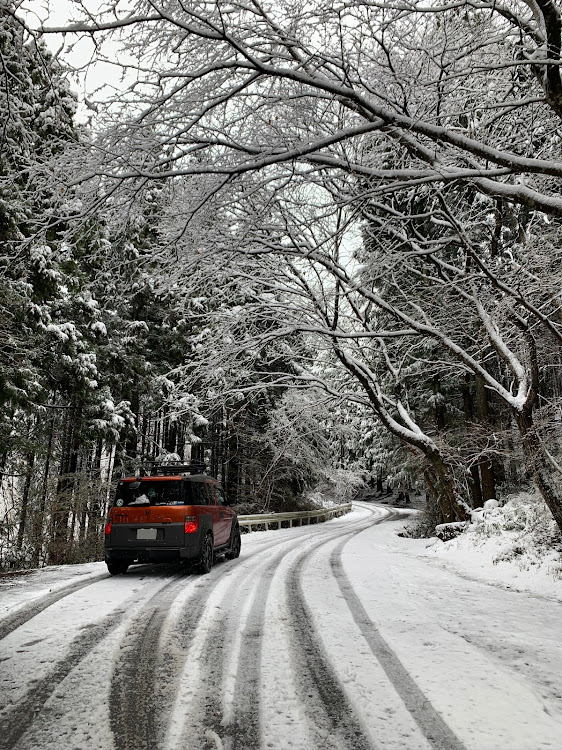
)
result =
(337, 636)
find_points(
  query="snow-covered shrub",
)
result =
(446, 531)
(524, 530)
(423, 524)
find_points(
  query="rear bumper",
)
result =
(171, 544)
(151, 554)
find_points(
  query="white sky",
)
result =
(78, 52)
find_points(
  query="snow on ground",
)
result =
(337, 631)
(477, 557)
(485, 653)
(18, 589)
(513, 546)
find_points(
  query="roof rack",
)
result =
(157, 469)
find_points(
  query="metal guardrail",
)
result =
(288, 520)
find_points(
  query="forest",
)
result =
(310, 244)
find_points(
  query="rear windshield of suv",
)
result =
(169, 492)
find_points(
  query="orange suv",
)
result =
(178, 514)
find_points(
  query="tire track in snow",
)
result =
(206, 721)
(16, 720)
(240, 730)
(435, 729)
(19, 717)
(146, 677)
(175, 653)
(330, 713)
(29, 611)
(134, 698)
(244, 734)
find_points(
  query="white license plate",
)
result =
(146, 533)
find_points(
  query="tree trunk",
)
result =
(95, 514)
(433, 506)
(6, 452)
(452, 505)
(181, 441)
(157, 423)
(453, 508)
(38, 524)
(65, 487)
(486, 467)
(3, 461)
(171, 435)
(145, 426)
(25, 500)
(468, 406)
(439, 404)
(488, 479)
(233, 464)
(215, 434)
(131, 446)
(546, 477)
(84, 498)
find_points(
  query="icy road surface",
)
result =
(330, 637)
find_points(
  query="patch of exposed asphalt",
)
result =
(16, 719)
(430, 722)
(28, 611)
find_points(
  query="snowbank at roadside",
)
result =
(515, 546)
(24, 586)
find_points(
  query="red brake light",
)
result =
(191, 524)
(108, 527)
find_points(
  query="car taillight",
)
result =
(191, 524)
(108, 527)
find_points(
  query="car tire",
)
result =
(117, 567)
(235, 544)
(206, 557)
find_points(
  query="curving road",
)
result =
(312, 640)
